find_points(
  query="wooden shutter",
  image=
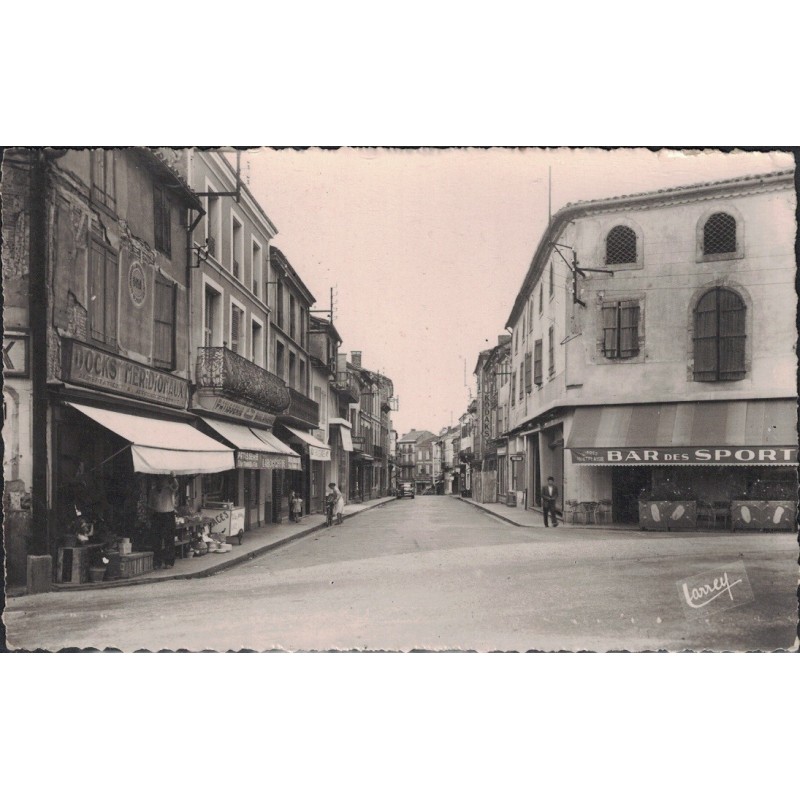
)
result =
(610, 319)
(97, 292)
(628, 329)
(235, 329)
(705, 338)
(111, 296)
(537, 362)
(161, 220)
(164, 324)
(528, 373)
(731, 311)
(551, 366)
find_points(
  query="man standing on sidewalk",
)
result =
(549, 497)
(162, 521)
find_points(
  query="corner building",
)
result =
(676, 375)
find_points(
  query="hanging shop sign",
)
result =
(89, 366)
(629, 456)
(517, 457)
(210, 401)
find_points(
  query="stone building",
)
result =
(674, 369)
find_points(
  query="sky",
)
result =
(426, 249)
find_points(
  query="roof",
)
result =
(413, 436)
(292, 273)
(745, 184)
(320, 324)
(156, 161)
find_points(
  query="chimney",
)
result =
(355, 358)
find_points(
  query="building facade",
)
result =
(693, 316)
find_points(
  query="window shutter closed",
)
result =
(537, 363)
(235, 330)
(610, 330)
(528, 373)
(112, 296)
(628, 329)
(97, 293)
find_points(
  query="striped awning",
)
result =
(733, 432)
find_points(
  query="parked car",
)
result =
(406, 489)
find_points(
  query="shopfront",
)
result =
(315, 456)
(708, 459)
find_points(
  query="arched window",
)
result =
(719, 234)
(719, 336)
(621, 245)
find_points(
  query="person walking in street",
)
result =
(338, 504)
(162, 521)
(549, 497)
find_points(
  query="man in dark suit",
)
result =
(549, 497)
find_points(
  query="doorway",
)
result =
(627, 484)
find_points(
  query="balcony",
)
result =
(234, 376)
(302, 410)
(346, 384)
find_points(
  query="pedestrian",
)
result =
(549, 497)
(338, 502)
(162, 521)
(291, 506)
(297, 506)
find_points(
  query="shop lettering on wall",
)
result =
(137, 284)
(685, 455)
(89, 366)
(230, 408)
(249, 459)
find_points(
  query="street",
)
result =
(437, 574)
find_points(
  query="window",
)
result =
(524, 326)
(292, 314)
(521, 382)
(719, 336)
(256, 268)
(302, 385)
(237, 329)
(530, 316)
(537, 362)
(164, 323)
(719, 234)
(103, 295)
(513, 388)
(541, 298)
(621, 329)
(256, 342)
(621, 246)
(292, 370)
(551, 352)
(103, 176)
(279, 304)
(210, 316)
(161, 220)
(212, 224)
(552, 280)
(303, 342)
(528, 373)
(236, 249)
(516, 340)
(279, 360)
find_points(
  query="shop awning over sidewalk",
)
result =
(255, 448)
(317, 449)
(160, 446)
(739, 432)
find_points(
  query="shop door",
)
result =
(252, 499)
(626, 486)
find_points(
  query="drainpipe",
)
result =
(38, 310)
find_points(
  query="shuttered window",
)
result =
(103, 286)
(514, 388)
(621, 246)
(236, 328)
(161, 220)
(719, 336)
(537, 362)
(521, 382)
(551, 352)
(164, 323)
(541, 297)
(528, 373)
(621, 329)
(103, 177)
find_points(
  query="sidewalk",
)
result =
(254, 543)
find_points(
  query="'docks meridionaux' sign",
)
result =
(724, 454)
(89, 366)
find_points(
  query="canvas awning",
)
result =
(255, 449)
(339, 421)
(317, 449)
(347, 439)
(160, 447)
(738, 432)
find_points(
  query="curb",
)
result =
(213, 570)
(493, 513)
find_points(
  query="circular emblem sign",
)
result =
(137, 284)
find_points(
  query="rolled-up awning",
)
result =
(317, 449)
(737, 432)
(339, 421)
(160, 447)
(255, 449)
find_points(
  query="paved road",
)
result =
(436, 573)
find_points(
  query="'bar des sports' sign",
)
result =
(724, 454)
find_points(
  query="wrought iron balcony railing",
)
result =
(221, 369)
(302, 409)
(347, 384)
